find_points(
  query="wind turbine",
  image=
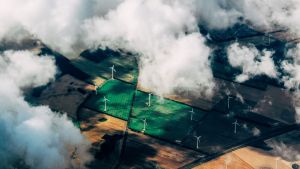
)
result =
(112, 71)
(145, 124)
(198, 140)
(228, 101)
(192, 114)
(105, 103)
(96, 87)
(235, 126)
(276, 167)
(149, 100)
(226, 161)
(235, 34)
(269, 38)
(267, 34)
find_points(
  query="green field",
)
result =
(166, 119)
(120, 96)
(125, 66)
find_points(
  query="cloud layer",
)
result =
(251, 61)
(35, 134)
(57, 23)
(154, 29)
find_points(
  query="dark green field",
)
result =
(120, 96)
(166, 119)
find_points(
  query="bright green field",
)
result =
(126, 68)
(166, 119)
(120, 96)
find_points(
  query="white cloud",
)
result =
(186, 68)
(256, 132)
(217, 14)
(287, 151)
(220, 14)
(20, 65)
(57, 23)
(291, 66)
(251, 61)
(40, 137)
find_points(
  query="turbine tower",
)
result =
(96, 87)
(149, 100)
(112, 71)
(276, 163)
(145, 124)
(228, 101)
(267, 34)
(105, 103)
(269, 37)
(226, 161)
(198, 140)
(235, 126)
(192, 114)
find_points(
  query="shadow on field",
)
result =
(138, 154)
(105, 135)
(65, 65)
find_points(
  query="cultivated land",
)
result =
(106, 134)
(142, 151)
(119, 95)
(168, 141)
(65, 95)
(228, 161)
(165, 118)
(260, 158)
(172, 122)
